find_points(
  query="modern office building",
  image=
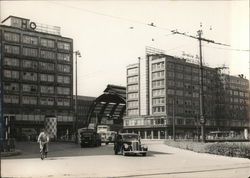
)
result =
(162, 89)
(37, 75)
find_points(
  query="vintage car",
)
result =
(129, 143)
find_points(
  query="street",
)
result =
(69, 160)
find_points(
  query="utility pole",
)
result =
(77, 54)
(200, 39)
(202, 119)
(174, 119)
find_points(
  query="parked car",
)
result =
(129, 143)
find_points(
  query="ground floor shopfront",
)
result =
(27, 127)
(186, 132)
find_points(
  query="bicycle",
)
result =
(43, 151)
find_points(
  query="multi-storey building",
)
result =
(163, 93)
(37, 75)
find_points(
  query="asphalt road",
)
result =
(69, 160)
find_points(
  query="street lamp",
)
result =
(77, 54)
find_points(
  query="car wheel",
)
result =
(144, 154)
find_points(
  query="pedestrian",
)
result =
(43, 140)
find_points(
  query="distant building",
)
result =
(83, 106)
(163, 88)
(37, 75)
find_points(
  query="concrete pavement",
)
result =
(163, 161)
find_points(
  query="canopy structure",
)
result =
(111, 105)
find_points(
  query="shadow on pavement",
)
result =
(62, 149)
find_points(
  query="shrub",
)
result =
(234, 149)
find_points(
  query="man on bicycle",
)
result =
(43, 140)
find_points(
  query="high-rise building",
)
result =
(37, 75)
(163, 94)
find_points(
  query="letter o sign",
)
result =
(33, 25)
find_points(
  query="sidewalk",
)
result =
(11, 153)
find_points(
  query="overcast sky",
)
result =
(111, 35)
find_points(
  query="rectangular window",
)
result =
(46, 66)
(157, 101)
(158, 66)
(63, 90)
(13, 37)
(47, 43)
(46, 78)
(133, 88)
(30, 40)
(12, 49)
(156, 75)
(47, 54)
(47, 89)
(31, 76)
(30, 52)
(11, 86)
(29, 88)
(47, 101)
(29, 64)
(158, 109)
(29, 100)
(63, 68)
(11, 62)
(63, 56)
(159, 92)
(63, 45)
(132, 95)
(133, 79)
(132, 112)
(11, 74)
(11, 99)
(158, 83)
(133, 71)
(63, 79)
(132, 104)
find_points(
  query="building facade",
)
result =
(83, 107)
(163, 95)
(37, 75)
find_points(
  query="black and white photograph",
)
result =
(124, 89)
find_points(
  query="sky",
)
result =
(112, 34)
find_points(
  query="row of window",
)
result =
(181, 93)
(133, 88)
(133, 79)
(133, 71)
(133, 112)
(32, 100)
(50, 78)
(35, 65)
(158, 83)
(158, 66)
(34, 88)
(33, 52)
(133, 95)
(48, 43)
(32, 76)
(132, 104)
(30, 117)
(182, 76)
(156, 75)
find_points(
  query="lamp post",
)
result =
(77, 54)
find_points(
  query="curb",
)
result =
(13, 153)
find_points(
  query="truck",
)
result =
(89, 137)
(107, 136)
